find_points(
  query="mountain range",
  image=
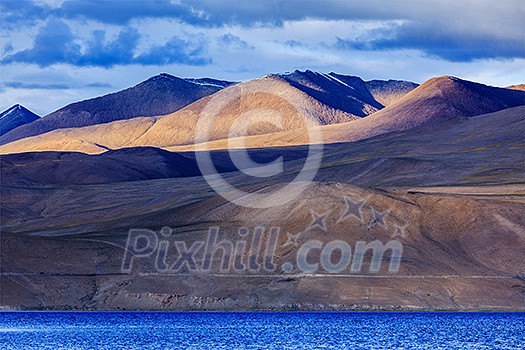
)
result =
(343, 106)
(337, 98)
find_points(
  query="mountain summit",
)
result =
(14, 117)
(343, 92)
(159, 95)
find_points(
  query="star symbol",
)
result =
(399, 230)
(353, 208)
(292, 239)
(378, 218)
(318, 220)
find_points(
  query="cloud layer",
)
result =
(451, 30)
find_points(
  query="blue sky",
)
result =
(54, 52)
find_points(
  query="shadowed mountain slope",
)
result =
(159, 95)
(79, 168)
(343, 92)
(126, 164)
(14, 117)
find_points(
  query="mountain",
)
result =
(389, 91)
(159, 95)
(430, 176)
(280, 96)
(14, 117)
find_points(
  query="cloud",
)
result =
(102, 53)
(436, 42)
(99, 85)
(122, 12)
(31, 86)
(234, 42)
(176, 51)
(49, 44)
(52, 86)
(26, 13)
(55, 43)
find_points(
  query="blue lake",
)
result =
(209, 330)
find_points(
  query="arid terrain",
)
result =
(437, 169)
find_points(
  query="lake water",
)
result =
(207, 330)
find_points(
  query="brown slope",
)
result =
(466, 152)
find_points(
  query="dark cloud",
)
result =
(19, 85)
(206, 13)
(7, 48)
(121, 12)
(107, 54)
(16, 13)
(441, 43)
(55, 43)
(99, 85)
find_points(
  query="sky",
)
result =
(54, 52)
